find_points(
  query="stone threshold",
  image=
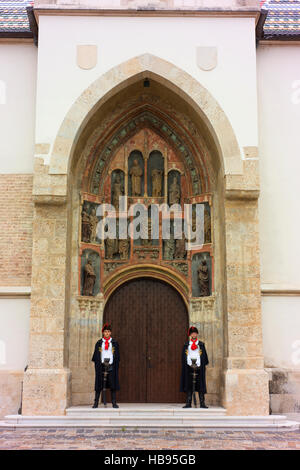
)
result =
(149, 416)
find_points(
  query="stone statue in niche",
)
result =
(123, 248)
(180, 251)
(169, 248)
(157, 182)
(136, 173)
(89, 279)
(86, 230)
(203, 279)
(117, 191)
(174, 192)
(111, 245)
(93, 224)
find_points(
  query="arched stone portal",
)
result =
(183, 122)
(151, 333)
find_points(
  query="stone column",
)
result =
(245, 381)
(47, 381)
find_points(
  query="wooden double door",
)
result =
(150, 321)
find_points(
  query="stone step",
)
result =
(156, 420)
(146, 411)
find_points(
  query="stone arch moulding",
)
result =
(165, 73)
(149, 271)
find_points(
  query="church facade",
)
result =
(192, 103)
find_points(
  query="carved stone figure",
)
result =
(203, 279)
(157, 182)
(180, 251)
(174, 192)
(86, 231)
(123, 248)
(117, 191)
(89, 278)
(136, 173)
(111, 245)
(169, 248)
(93, 224)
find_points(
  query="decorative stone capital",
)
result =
(90, 304)
(240, 194)
(48, 188)
(245, 185)
(202, 309)
(50, 199)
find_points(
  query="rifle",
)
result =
(194, 374)
(105, 374)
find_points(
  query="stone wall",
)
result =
(284, 389)
(16, 214)
(10, 392)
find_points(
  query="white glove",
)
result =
(189, 361)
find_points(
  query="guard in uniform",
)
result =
(106, 348)
(193, 349)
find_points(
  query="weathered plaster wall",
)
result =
(14, 337)
(17, 107)
(18, 68)
(279, 143)
(61, 81)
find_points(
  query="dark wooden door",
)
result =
(150, 322)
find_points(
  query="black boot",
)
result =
(96, 401)
(188, 400)
(202, 401)
(113, 399)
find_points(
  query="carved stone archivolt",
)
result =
(169, 133)
(150, 161)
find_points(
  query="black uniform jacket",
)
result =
(113, 377)
(186, 381)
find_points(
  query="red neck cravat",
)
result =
(106, 343)
(194, 345)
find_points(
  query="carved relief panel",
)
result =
(147, 168)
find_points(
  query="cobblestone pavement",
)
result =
(93, 438)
